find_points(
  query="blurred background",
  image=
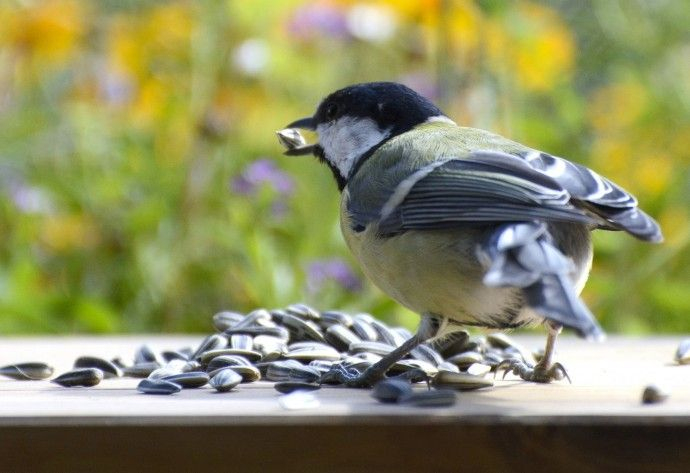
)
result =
(143, 189)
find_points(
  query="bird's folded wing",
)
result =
(484, 187)
(597, 194)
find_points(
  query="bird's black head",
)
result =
(353, 122)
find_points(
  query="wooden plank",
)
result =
(597, 423)
(372, 447)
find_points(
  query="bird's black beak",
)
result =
(303, 123)
(293, 141)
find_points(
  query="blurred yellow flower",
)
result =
(169, 26)
(150, 101)
(48, 30)
(424, 12)
(413, 9)
(151, 55)
(653, 171)
(66, 232)
(125, 50)
(465, 24)
(611, 157)
(617, 106)
(532, 42)
(675, 221)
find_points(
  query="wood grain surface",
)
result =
(597, 423)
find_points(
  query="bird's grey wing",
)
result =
(500, 189)
(484, 187)
(597, 194)
(523, 255)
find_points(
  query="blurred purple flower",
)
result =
(115, 89)
(321, 271)
(259, 172)
(25, 197)
(318, 19)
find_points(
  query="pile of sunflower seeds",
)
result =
(293, 347)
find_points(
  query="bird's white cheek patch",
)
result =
(348, 138)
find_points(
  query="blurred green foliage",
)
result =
(143, 188)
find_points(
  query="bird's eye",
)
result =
(331, 112)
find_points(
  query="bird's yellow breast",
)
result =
(428, 271)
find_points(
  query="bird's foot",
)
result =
(351, 377)
(539, 373)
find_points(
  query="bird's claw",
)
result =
(350, 377)
(353, 378)
(539, 373)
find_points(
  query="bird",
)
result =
(461, 225)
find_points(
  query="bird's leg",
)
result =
(340, 374)
(545, 370)
(366, 379)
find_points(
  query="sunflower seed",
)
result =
(225, 361)
(453, 344)
(466, 359)
(654, 394)
(191, 365)
(109, 369)
(425, 353)
(340, 337)
(226, 319)
(225, 380)
(271, 348)
(402, 366)
(303, 311)
(258, 317)
(304, 373)
(158, 386)
(140, 370)
(446, 366)
(334, 317)
(390, 390)
(169, 355)
(279, 332)
(189, 380)
(242, 341)
(80, 377)
(27, 371)
(287, 387)
(682, 356)
(161, 373)
(386, 334)
(280, 370)
(403, 332)
(250, 355)
(215, 341)
(377, 348)
(461, 381)
(314, 352)
(249, 373)
(291, 139)
(478, 369)
(364, 329)
(302, 330)
(146, 355)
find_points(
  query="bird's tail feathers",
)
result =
(522, 255)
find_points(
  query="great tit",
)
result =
(460, 225)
